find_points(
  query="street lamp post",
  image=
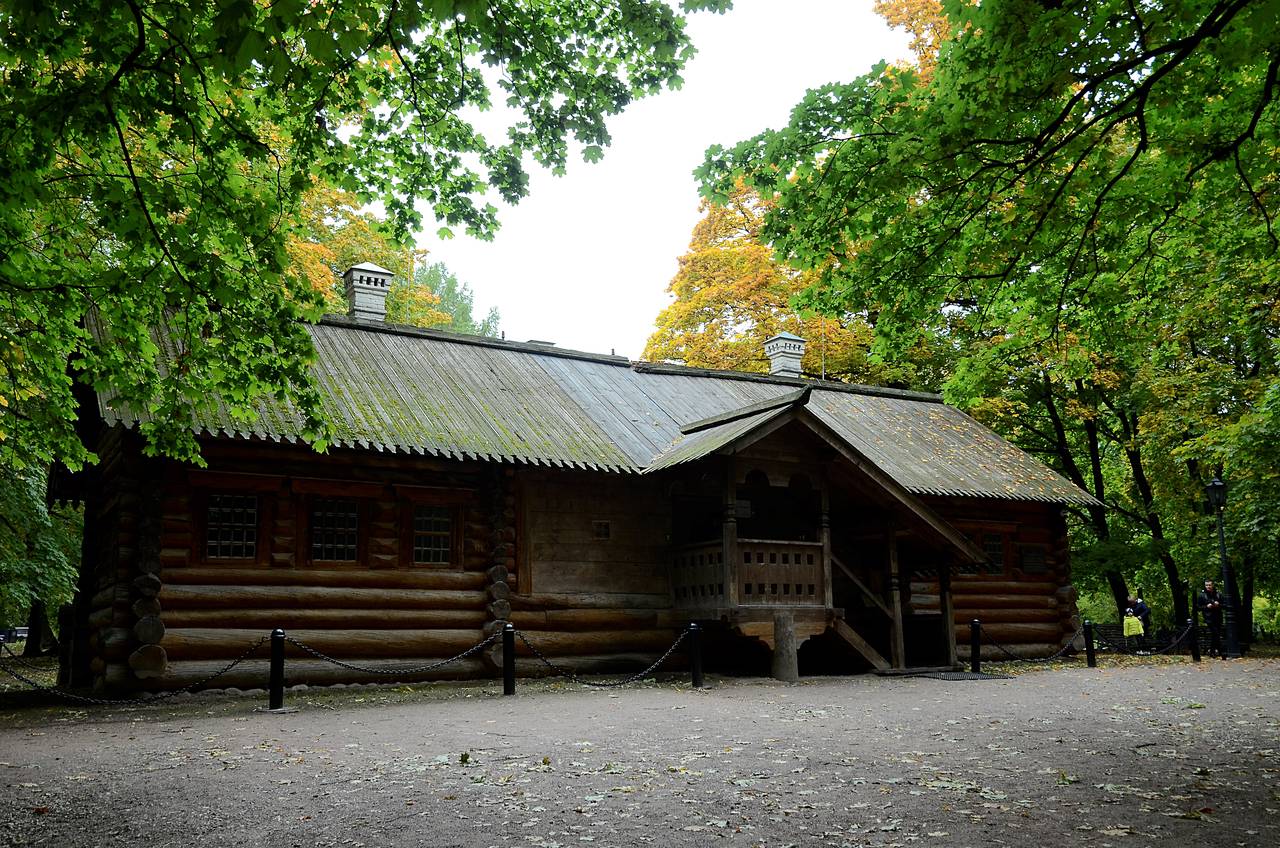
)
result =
(1217, 491)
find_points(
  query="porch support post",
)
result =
(786, 650)
(826, 542)
(729, 572)
(898, 652)
(948, 611)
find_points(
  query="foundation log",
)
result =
(211, 643)
(144, 607)
(149, 661)
(556, 645)
(1009, 616)
(149, 630)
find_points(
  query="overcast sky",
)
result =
(585, 260)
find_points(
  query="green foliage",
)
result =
(453, 297)
(731, 294)
(1087, 190)
(39, 548)
(156, 156)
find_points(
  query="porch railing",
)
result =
(767, 573)
(697, 575)
(780, 573)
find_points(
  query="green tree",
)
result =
(1088, 189)
(731, 294)
(451, 299)
(39, 548)
(156, 156)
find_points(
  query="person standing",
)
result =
(1143, 612)
(1209, 602)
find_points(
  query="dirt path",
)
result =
(1177, 754)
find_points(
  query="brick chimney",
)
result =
(785, 351)
(367, 286)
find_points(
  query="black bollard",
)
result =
(695, 654)
(508, 659)
(1090, 654)
(1194, 636)
(975, 646)
(275, 687)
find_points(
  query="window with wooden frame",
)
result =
(231, 527)
(231, 516)
(432, 534)
(431, 526)
(335, 532)
(1033, 559)
(993, 545)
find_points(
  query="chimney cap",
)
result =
(785, 351)
(369, 266)
(366, 286)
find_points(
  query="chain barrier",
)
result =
(640, 675)
(113, 702)
(1123, 649)
(421, 669)
(1063, 651)
(20, 660)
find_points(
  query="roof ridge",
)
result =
(800, 397)
(639, 366)
(798, 382)
(468, 338)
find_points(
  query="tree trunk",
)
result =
(1181, 612)
(1119, 590)
(1244, 610)
(40, 639)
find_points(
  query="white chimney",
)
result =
(785, 351)
(367, 286)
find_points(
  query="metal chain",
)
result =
(150, 699)
(640, 675)
(1070, 646)
(422, 669)
(22, 660)
(1177, 642)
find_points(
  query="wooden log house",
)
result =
(597, 503)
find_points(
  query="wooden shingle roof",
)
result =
(401, 389)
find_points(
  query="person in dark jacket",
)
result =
(1143, 612)
(1209, 602)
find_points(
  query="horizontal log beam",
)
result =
(555, 644)
(596, 619)
(990, 653)
(175, 597)
(965, 585)
(979, 602)
(330, 619)
(1009, 616)
(355, 578)
(194, 643)
(1012, 634)
(589, 600)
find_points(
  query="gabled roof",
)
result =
(401, 389)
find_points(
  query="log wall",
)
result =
(1028, 605)
(164, 615)
(596, 580)
(578, 561)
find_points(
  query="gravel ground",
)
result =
(1172, 753)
